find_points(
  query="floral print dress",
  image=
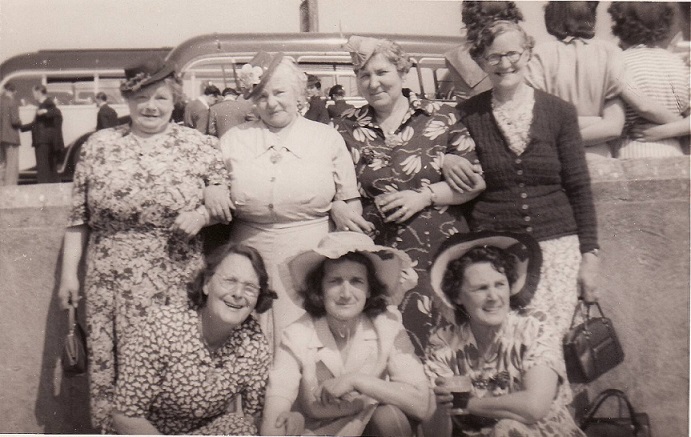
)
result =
(409, 159)
(522, 342)
(169, 376)
(129, 196)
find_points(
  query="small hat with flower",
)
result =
(361, 49)
(254, 75)
(393, 267)
(146, 72)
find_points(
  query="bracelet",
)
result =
(433, 195)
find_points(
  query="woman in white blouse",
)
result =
(288, 175)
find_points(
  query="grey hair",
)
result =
(298, 80)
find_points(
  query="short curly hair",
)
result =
(575, 19)
(476, 15)
(314, 293)
(637, 23)
(501, 260)
(195, 289)
(394, 53)
(489, 33)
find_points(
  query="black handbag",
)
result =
(74, 361)
(591, 348)
(635, 425)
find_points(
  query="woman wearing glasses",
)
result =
(533, 162)
(200, 368)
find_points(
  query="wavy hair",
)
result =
(476, 15)
(314, 293)
(635, 23)
(501, 260)
(575, 19)
(489, 33)
(195, 290)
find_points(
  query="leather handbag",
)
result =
(591, 348)
(635, 425)
(74, 361)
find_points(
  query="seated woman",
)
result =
(347, 365)
(200, 369)
(512, 361)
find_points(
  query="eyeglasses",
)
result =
(495, 58)
(248, 289)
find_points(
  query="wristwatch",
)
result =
(595, 252)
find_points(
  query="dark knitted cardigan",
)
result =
(546, 190)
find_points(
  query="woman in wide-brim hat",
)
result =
(137, 209)
(512, 361)
(289, 175)
(347, 366)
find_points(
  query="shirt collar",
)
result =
(270, 139)
(574, 39)
(415, 105)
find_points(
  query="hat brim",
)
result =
(525, 247)
(388, 265)
(167, 70)
(266, 76)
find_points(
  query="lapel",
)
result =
(362, 355)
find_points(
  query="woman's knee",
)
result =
(388, 420)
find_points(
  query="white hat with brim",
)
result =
(525, 247)
(389, 264)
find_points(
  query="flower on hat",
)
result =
(249, 76)
(135, 83)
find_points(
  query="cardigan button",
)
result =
(518, 160)
(529, 229)
(521, 185)
(524, 195)
(519, 172)
(524, 207)
(527, 218)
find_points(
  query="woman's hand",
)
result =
(336, 390)
(347, 218)
(442, 394)
(461, 174)
(399, 206)
(68, 292)
(291, 422)
(587, 277)
(189, 223)
(218, 202)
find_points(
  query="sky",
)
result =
(30, 25)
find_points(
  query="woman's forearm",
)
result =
(412, 400)
(73, 249)
(647, 107)
(444, 195)
(133, 425)
(607, 128)
(273, 408)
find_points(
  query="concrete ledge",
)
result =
(643, 223)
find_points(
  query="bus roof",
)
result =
(77, 59)
(316, 43)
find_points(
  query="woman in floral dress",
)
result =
(510, 362)
(136, 207)
(397, 142)
(201, 368)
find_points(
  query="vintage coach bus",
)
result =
(73, 77)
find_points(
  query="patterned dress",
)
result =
(520, 344)
(409, 159)
(129, 197)
(168, 376)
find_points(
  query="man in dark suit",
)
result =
(197, 111)
(106, 117)
(46, 136)
(317, 102)
(337, 94)
(9, 132)
(228, 113)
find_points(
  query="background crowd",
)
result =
(372, 253)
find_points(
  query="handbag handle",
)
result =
(71, 319)
(586, 313)
(601, 398)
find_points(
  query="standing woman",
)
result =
(136, 207)
(398, 142)
(644, 30)
(590, 73)
(287, 175)
(533, 160)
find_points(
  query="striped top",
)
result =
(663, 77)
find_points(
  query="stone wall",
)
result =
(643, 211)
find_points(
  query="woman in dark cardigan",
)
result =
(533, 160)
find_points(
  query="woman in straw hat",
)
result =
(288, 175)
(347, 366)
(512, 365)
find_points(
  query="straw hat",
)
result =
(392, 266)
(525, 247)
